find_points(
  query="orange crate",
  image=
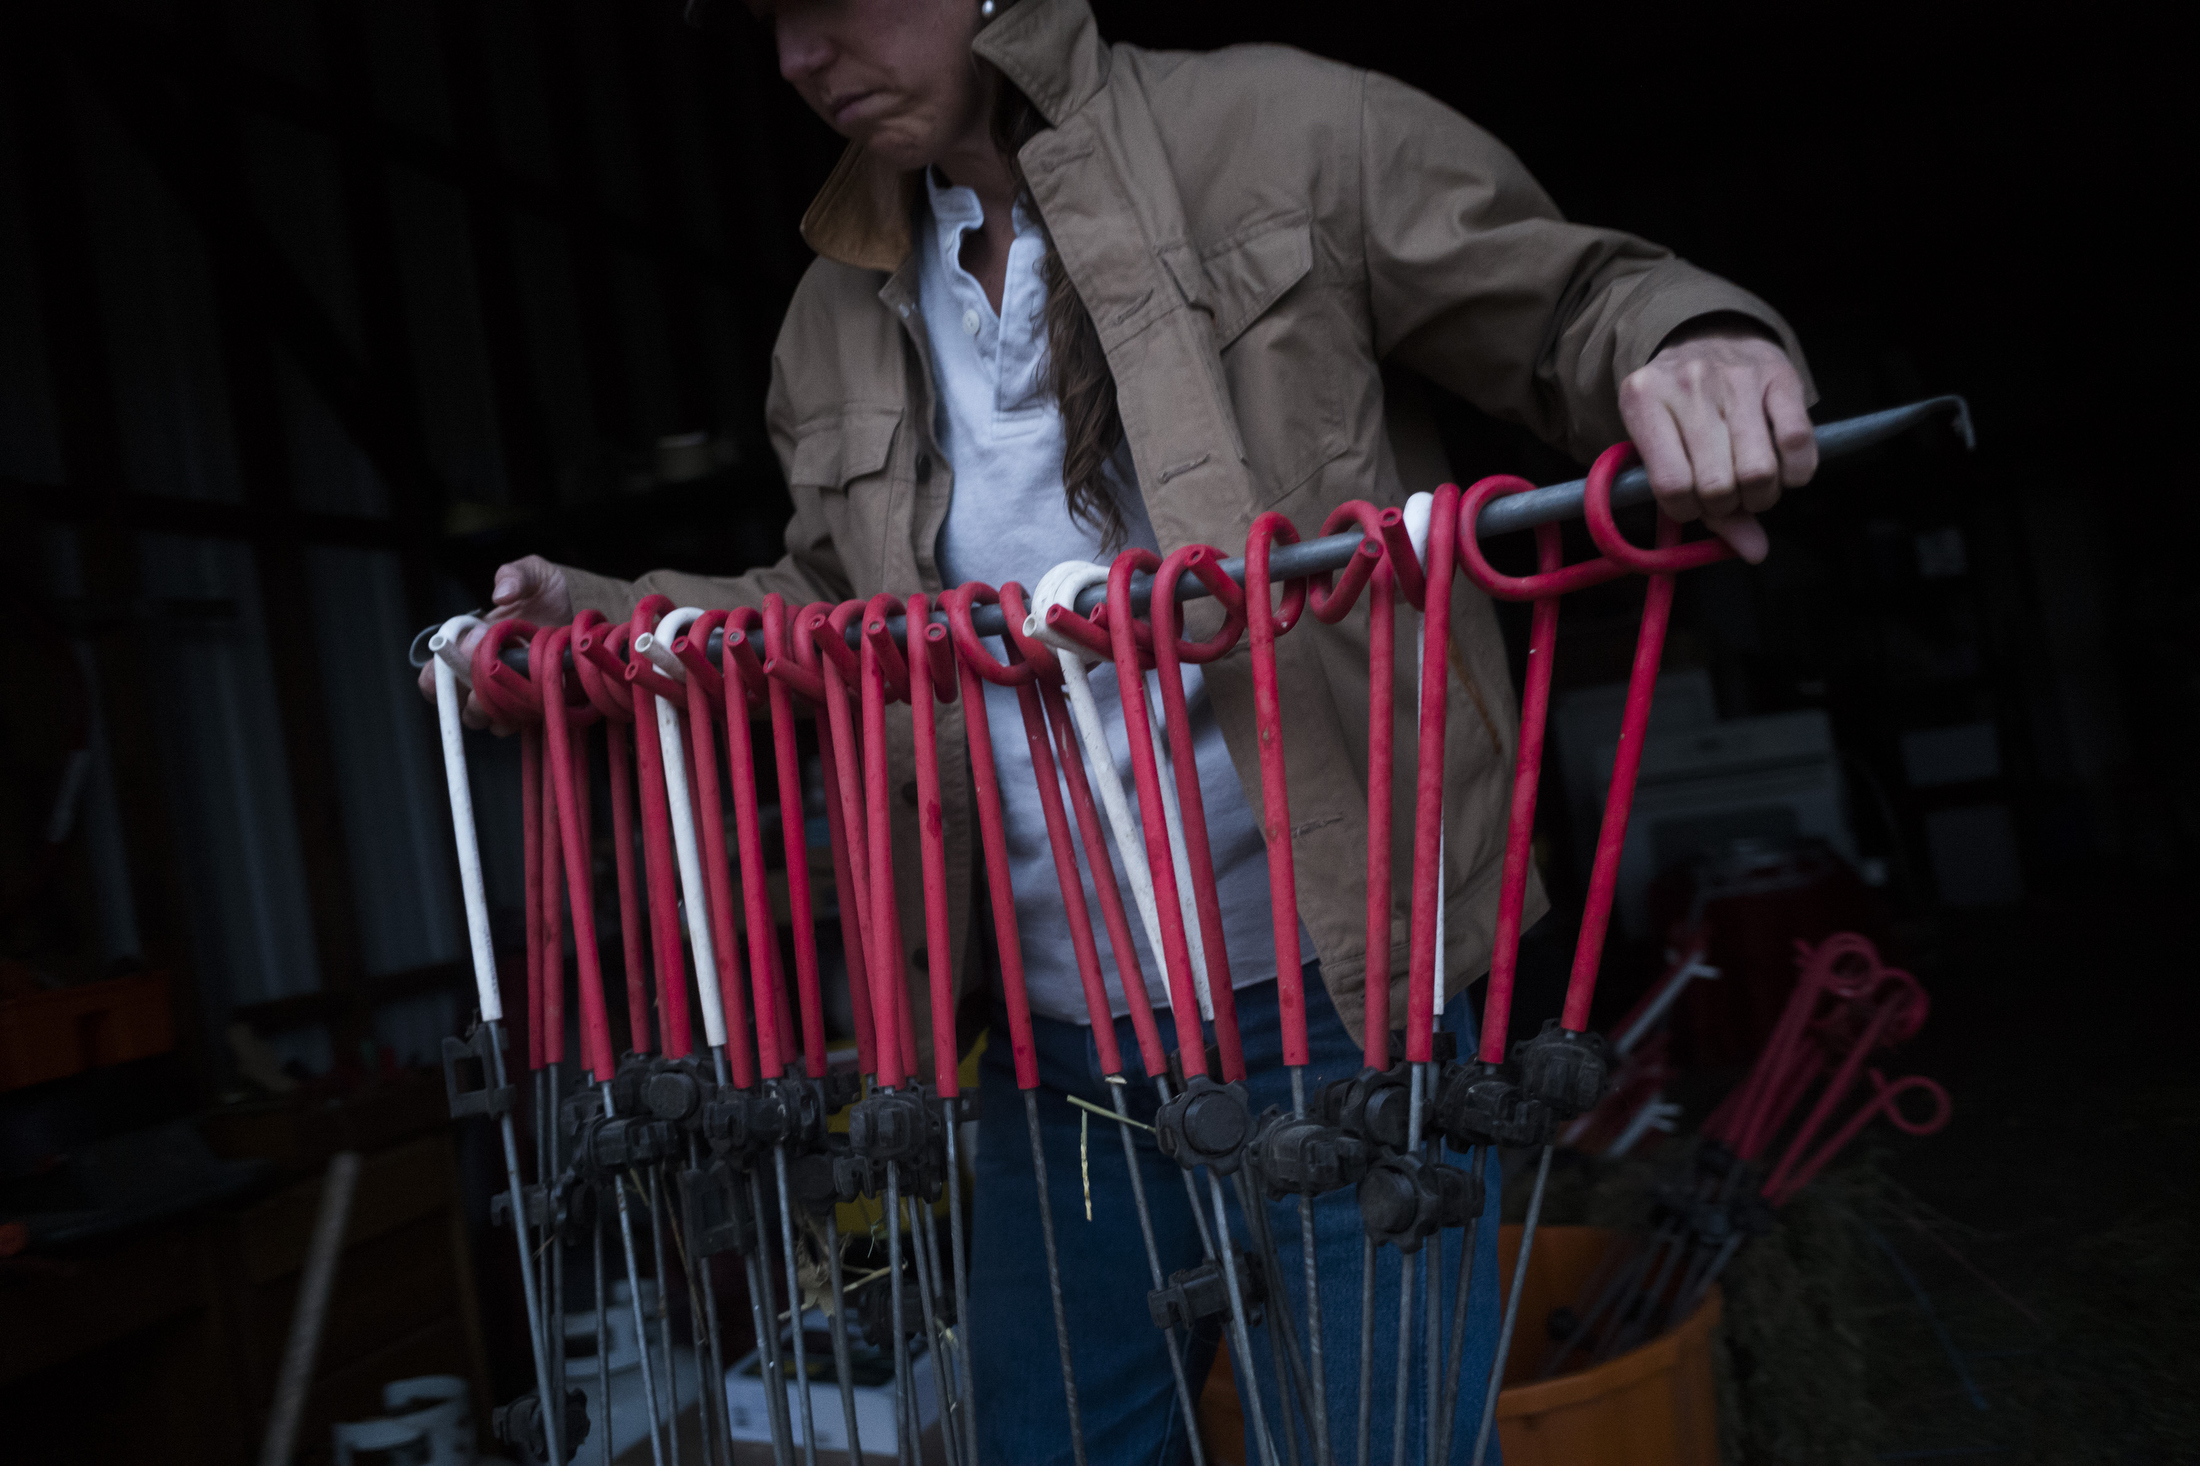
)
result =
(53, 1035)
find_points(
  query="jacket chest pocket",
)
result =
(845, 457)
(1277, 352)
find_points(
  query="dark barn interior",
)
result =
(313, 312)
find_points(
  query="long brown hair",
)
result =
(1077, 368)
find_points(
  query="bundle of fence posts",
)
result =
(658, 1162)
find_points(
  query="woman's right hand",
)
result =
(531, 589)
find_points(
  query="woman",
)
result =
(1072, 296)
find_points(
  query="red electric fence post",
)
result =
(930, 683)
(973, 664)
(820, 634)
(1371, 567)
(1168, 653)
(1264, 623)
(658, 862)
(595, 643)
(1176, 954)
(897, 1055)
(793, 828)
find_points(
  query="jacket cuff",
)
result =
(1684, 293)
(612, 599)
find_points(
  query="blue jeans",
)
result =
(1126, 1395)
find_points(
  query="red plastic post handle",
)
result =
(1046, 711)
(794, 841)
(596, 650)
(925, 691)
(1169, 653)
(819, 642)
(1544, 588)
(774, 1045)
(1659, 566)
(1176, 952)
(659, 864)
(884, 959)
(569, 772)
(1264, 622)
(975, 666)
(1886, 1101)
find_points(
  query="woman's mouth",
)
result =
(854, 107)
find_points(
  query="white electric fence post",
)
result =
(1418, 511)
(448, 659)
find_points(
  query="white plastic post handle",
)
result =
(450, 670)
(1419, 508)
(657, 646)
(1061, 586)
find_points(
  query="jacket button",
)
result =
(909, 794)
(924, 468)
(917, 958)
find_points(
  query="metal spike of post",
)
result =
(1512, 1310)
(766, 1310)
(603, 1346)
(634, 1291)
(843, 1365)
(664, 1316)
(558, 1162)
(968, 1367)
(1283, 1344)
(1447, 1402)
(1432, 1313)
(1403, 1390)
(517, 1192)
(1184, 1398)
(794, 1305)
(703, 1291)
(538, 1257)
(905, 1408)
(928, 1298)
(1238, 1324)
(1054, 1278)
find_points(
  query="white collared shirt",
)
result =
(1000, 429)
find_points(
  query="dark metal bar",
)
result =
(1546, 505)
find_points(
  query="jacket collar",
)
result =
(1051, 50)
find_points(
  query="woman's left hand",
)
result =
(1719, 418)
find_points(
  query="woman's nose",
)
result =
(803, 49)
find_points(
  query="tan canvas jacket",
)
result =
(1258, 234)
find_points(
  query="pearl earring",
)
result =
(988, 10)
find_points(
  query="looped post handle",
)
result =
(924, 676)
(885, 958)
(1670, 555)
(1264, 623)
(596, 643)
(568, 772)
(1332, 595)
(975, 667)
(1170, 651)
(840, 771)
(1176, 953)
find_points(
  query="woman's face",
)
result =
(893, 75)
